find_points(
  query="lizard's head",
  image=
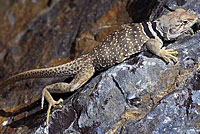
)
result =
(176, 23)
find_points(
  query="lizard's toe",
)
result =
(167, 54)
(57, 103)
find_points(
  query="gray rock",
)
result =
(176, 113)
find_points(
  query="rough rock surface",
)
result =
(141, 95)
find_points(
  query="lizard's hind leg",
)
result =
(81, 78)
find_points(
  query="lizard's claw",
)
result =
(167, 54)
(51, 101)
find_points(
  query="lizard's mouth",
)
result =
(193, 30)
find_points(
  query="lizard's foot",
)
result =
(55, 104)
(167, 54)
(51, 101)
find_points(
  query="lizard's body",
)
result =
(129, 39)
(118, 46)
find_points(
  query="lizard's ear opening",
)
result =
(171, 31)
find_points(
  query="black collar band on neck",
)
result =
(157, 31)
(146, 30)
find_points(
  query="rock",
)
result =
(177, 112)
(143, 94)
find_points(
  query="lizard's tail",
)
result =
(67, 69)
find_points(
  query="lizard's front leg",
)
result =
(155, 46)
(81, 78)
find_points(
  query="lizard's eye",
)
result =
(185, 22)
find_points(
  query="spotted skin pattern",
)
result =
(129, 39)
(118, 46)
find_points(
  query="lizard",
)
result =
(127, 40)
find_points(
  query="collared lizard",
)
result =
(127, 40)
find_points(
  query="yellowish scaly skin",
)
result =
(127, 40)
